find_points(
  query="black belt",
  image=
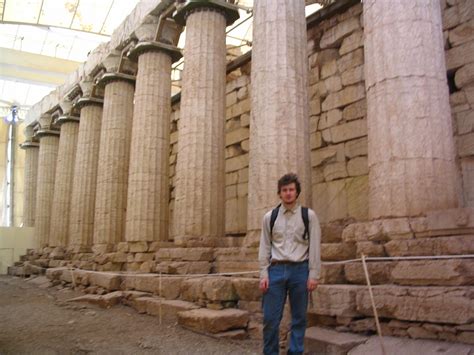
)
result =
(287, 262)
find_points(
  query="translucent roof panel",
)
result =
(100, 17)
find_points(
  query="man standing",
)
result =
(290, 264)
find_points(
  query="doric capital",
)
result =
(66, 118)
(144, 47)
(230, 12)
(110, 77)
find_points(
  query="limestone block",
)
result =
(231, 98)
(329, 119)
(185, 254)
(450, 17)
(247, 289)
(333, 84)
(236, 214)
(356, 147)
(141, 257)
(379, 272)
(465, 145)
(431, 246)
(236, 163)
(426, 304)
(344, 97)
(458, 56)
(123, 247)
(353, 75)
(462, 33)
(352, 42)
(328, 69)
(330, 154)
(332, 273)
(464, 75)
(241, 81)
(335, 300)
(184, 267)
(212, 321)
(330, 200)
(465, 122)
(315, 140)
(245, 120)
(168, 308)
(219, 289)
(170, 287)
(103, 301)
(236, 136)
(335, 171)
(350, 130)
(350, 60)
(467, 166)
(434, 272)
(355, 110)
(138, 247)
(370, 249)
(107, 281)
(333, 37)
(242, 93)
(191, 289)
(337, 251)
(325, 341)
(357, 166)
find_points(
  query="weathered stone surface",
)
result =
(219, 289)
(168, 308)
(191, 290)
(370, 249)
(237, 334)
(212, 321)
(247, 289)
(344, 97)
(465, 122)
(329, 154)
(395, 345)
(109, 282)
(353, 75)
(324, 341)
(332, 273)
(379, 272)
(350, 130)
(431, 246)
(55, 273)
(357, 166)
(351, 60)
(335, 300)
(185, 254)
(333, 37)
(105, 301)
(330, 200)
(337, 251)
(434, 272)
(427, 304)
(466, 145)
(458, 56)
(462, 33)
(464, 75)
(335, 171)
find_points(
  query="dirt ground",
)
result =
(36, 320)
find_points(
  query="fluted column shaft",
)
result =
(112, 172)
(411, 149)
(30, 180)
(200, 186)
(63, 183)
(47, 156)
(279, 135)
(81, 220)
(148, 180)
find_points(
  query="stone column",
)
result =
(31, 176)
(411, 149)
(63, 181)
(114, 152)
(48, 154)
(279, 135)
(148, 180)
(200, 175)
(81, 220)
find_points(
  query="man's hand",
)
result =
(264, 284)
(312, 284)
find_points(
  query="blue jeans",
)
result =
(285, 279)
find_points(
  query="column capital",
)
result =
(29, 144)
(87, 101)
(149, 46)
(110, 77)
(46, 132)
(230, 12)
(66, 118)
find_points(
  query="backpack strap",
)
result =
(273, 218)
(304, 215)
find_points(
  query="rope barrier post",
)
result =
(377, 323)
(160, 297)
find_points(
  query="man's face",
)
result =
(288, 194)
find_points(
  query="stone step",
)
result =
(320, 340)
(436, 304)
(213, 321)
(16, 271)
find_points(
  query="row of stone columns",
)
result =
(120, 183)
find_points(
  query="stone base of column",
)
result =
(77, 249)
(194, 241)
(252, 239)
(103, 248)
